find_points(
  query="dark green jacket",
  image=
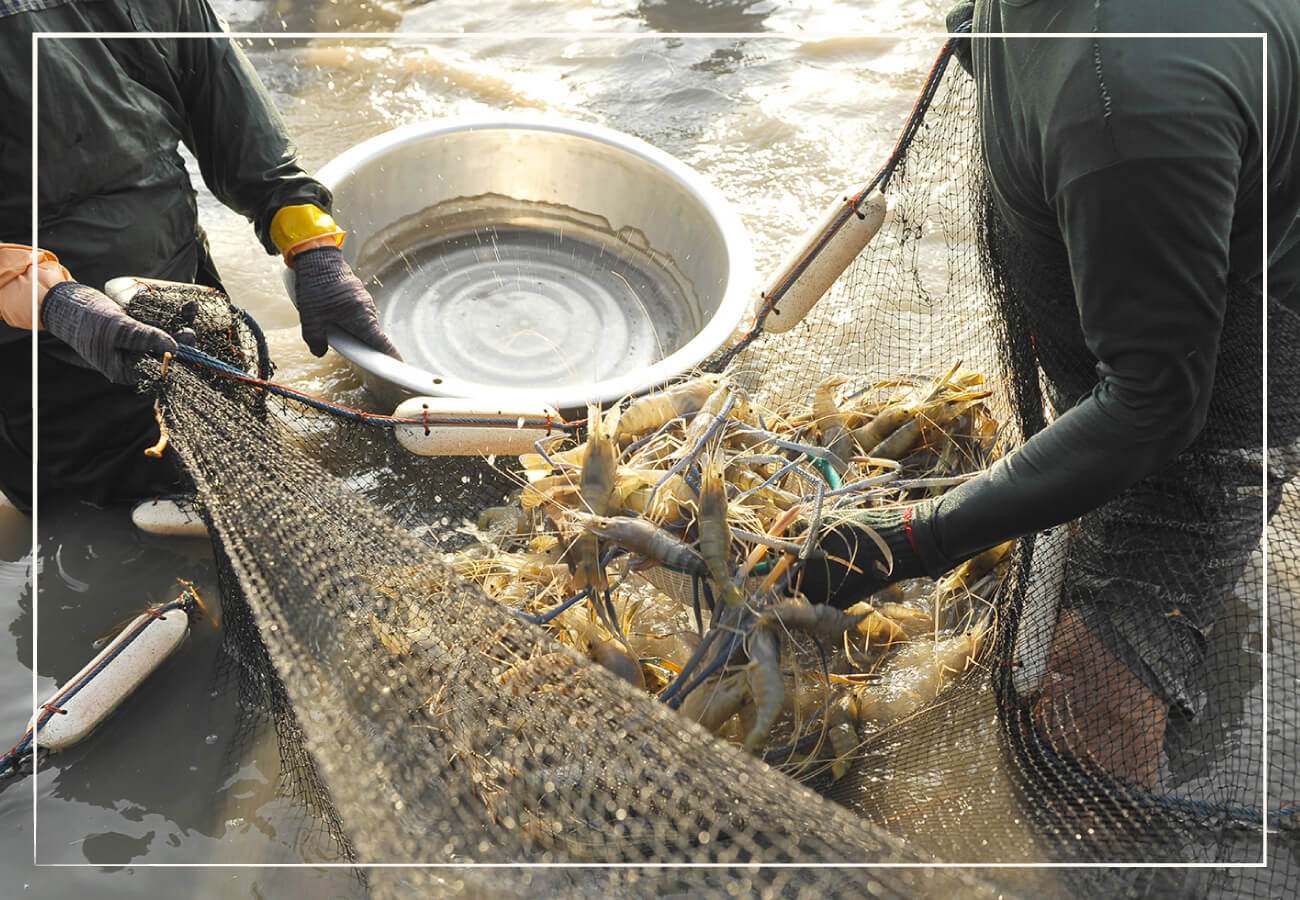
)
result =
(1129, 174)
(113, 194)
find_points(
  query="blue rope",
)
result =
(199, 358)
(1249, 815)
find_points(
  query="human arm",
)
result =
(250, 164)
(232, 126)
(1149, 246)
(16, 275)
(1151, 304)
(326, 291)
(330, 296)
(100, 331)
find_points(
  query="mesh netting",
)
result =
(445, 729)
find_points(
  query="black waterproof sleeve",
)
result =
(1151, 300)
(243, 147)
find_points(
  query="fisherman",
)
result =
(113, 198)
(1127, 181)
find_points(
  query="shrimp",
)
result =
(597, 492)
(900, 413)
(637, 494)
(843, 734)
(975, 568)
(716, 701)
(599, 467)
(931, 415)
(537, 465)
(886, 422)
(880, 630)
(673, 500)
(645, 539)
(619, 661)
(559, 490)
(957, 594)
(704, 419)
(647, 413)
(766, 684)
(819, 618)
(715, 533)
(834, 434)
(952, 453)
(913, 622)
(588, 574)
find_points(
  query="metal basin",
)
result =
(553, 261)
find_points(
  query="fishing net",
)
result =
(428, 722)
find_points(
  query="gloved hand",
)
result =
(962, 14)
(855, 566)
(101, 332)
(329, 295)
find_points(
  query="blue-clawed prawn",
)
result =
(647, 413)
(830, 423)
(596, 490)
(645, 539)
(714, 532)
(766, 684)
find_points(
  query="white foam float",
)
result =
(814, 281)
(170, 517)
(78, 708)
(450, 426)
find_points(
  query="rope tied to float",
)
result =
(851, 205)
(200, 359)
(12, 762)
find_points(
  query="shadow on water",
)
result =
(704, 15)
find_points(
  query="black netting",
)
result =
(1097, 695)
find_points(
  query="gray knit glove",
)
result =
(855, 566)
(100, 331)
(329, 295)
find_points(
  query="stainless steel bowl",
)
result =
(550, 260)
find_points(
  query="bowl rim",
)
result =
(735, 303)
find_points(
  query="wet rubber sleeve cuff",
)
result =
(905, 536)
(920, 529)
(298, 228)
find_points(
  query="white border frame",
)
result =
(749, 36)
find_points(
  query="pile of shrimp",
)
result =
(716, 501)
